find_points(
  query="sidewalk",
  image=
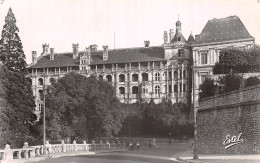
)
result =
(57, 155)
(220, 158)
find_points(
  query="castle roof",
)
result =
(191, 39)
(224, 29)
(141, 54)
(175, 38)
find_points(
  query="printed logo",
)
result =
(234, 140)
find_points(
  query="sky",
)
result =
(118, 23)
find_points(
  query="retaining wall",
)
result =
(230, 123)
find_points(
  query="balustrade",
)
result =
(34, 151)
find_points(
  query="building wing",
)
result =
(221, 30)
(127, 55)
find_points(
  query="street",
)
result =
(163, 153)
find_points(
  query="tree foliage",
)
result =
(11, 49)
(207, 89)
(230, 82)
(17, 114)
(239, 61)
(158, 119)
(77, 106)
(251, 81)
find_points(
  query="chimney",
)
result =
(93, 48)
(105, 52)
(75, 50)
(146, 43)
(165, 37)
(45, 49)
(52, 54)
(171, 34)
(88, 55)
(34, 56)
(87, 50)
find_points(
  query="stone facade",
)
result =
(138, 74)
(217, 34)
(227, 115)
(149, 72)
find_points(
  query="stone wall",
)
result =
(225, 117)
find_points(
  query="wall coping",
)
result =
(231, 92)
(242, 96)
(247, 103)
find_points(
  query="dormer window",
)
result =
(180, 52)
(179, 38)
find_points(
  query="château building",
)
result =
(149, 72)
(217, 34)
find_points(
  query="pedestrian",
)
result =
(170, 138)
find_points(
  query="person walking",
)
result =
(170, 138)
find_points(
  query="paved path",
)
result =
(163, 153)
(187, 156)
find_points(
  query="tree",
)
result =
(251, 81)
(207, 89)
(237, 60)
(230, 82)
(11, 49)
(18, 105)
(77, 106)
(159, 119)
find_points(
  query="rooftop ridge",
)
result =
(158, 46)
(217, 19)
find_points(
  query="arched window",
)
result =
(170, 75)
(41, 94)
(121, 78)
(122, 90)
(135, 77)
(175, 88)
(109, 78)
(40, 106)
(52, 80)
(184, 87)
(135, 90)
(145, 76)
(100, 77)
(157, 76)
(179, 38)
(40, 81)
(157, 89)
(175, 75)
(184, 74)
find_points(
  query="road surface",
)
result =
(164, 153)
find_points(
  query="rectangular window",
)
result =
(170, 88)
(204, 58)
(202, 78)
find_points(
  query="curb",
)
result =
(190, 161)
(46, 157)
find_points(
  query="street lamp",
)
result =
(195, 148)
(44, 134)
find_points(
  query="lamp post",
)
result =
(195, 148)
(44, 134)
